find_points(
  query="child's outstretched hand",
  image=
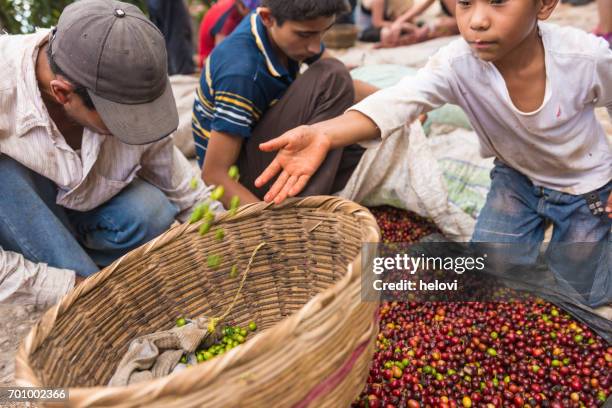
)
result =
(609, 206)
(300, 153)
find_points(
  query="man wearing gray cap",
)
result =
(88, 172)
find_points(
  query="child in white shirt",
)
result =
(530, 90)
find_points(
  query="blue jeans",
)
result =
(31, 223)
(580, 251)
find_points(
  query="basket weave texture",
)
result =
(315, 337)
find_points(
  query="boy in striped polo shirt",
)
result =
(250, 92)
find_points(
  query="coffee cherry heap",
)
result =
(401, 226)
(480, 354)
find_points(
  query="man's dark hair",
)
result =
(302, 10)
(80, 90)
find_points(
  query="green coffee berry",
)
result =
(233, 173)
(217, 193)
(197, 214)
(205, 227)
(214, 261)
(220, 234)
(234, 203)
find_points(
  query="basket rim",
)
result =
(25, 375)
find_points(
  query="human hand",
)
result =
(609, 205)
(301, 151)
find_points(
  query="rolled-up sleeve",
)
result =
(164, 166)
(392, 108)
(26, 282)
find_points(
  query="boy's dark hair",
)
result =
(301, 10)
(80, 90)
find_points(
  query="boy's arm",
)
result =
(164, 166)
(363, 90)
(602, 89)
(222, 153)
(302, 150)
(602, 81)
(239, 103)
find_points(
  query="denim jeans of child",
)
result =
(580, 251)
(31, 223)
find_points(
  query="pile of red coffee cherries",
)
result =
(472, 354)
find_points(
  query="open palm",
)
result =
(300, 153)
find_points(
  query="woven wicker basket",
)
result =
(303, 289)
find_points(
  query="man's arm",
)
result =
(26, 282)
(223, 151)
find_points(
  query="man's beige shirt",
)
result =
(85, 179)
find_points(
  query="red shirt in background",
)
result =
(221, 18)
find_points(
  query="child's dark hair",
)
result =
(80, 90)
(301, 10)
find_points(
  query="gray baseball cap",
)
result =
(112, 49)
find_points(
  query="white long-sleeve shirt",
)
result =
(561, 145)
(85, 179)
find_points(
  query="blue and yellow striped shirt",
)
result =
(241, 79)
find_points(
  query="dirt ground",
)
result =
(15, 321)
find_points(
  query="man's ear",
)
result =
(62, 90)
(546, 8)
(266, 16)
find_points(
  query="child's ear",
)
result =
(266, 16)
(546, 8)
(62, 90)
